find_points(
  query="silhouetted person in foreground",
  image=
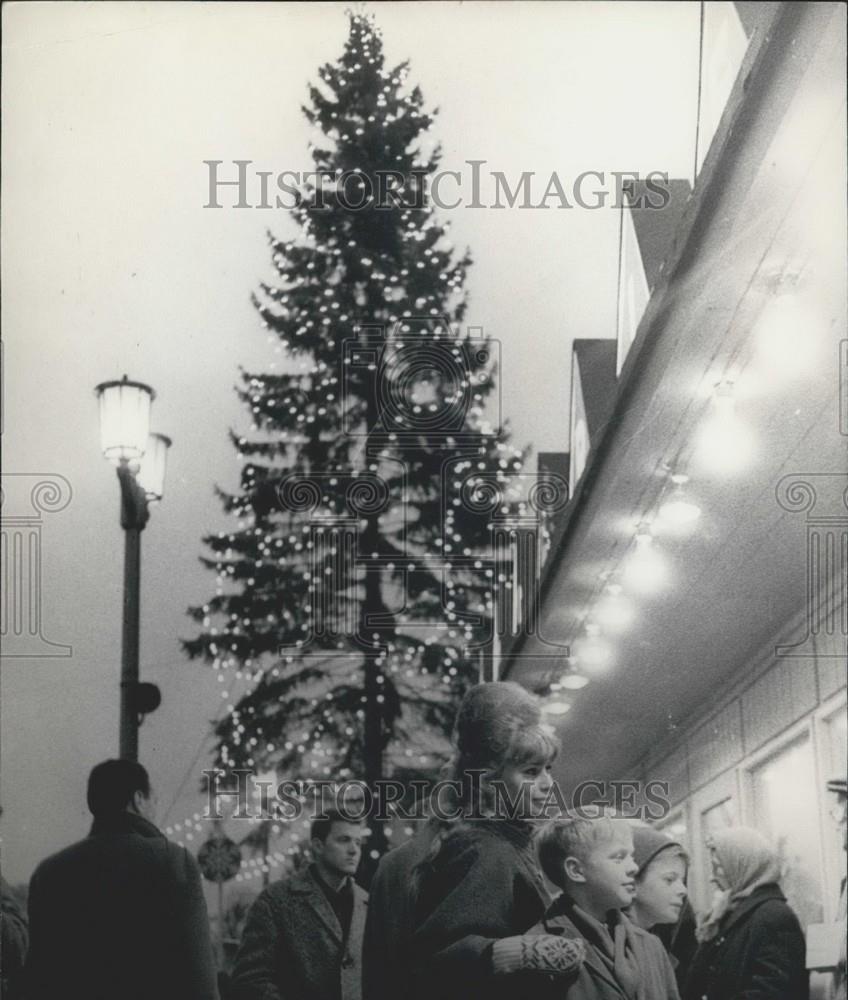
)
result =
(119, 915)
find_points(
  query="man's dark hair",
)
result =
(323, 824)
(112, 784)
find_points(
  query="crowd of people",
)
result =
(485, 905)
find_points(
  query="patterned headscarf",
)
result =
(748, 861)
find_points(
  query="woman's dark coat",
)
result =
(757, 954)
(389, 923)
(484, 885)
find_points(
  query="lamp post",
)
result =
(139, 457)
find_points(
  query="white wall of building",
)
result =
(760, 756)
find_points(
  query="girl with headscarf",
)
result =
(751, 946)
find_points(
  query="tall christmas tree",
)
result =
(361, 579)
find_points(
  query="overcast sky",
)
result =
(110, 264)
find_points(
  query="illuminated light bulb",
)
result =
(645, 569)
(725, 444)
(678, 510)
(573, 682)
(787, 336)
(614, 611)
(557, 707)
(594, 654)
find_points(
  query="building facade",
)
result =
(691, 621)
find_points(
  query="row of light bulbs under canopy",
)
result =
(724, 445)
(125, 435)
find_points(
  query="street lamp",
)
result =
(139, 457)
(151, 470)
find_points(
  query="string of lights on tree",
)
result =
(365, 316)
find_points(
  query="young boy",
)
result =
(591, 860)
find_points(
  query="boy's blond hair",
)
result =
(574, 838)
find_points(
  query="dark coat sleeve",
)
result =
(192, 943)
(377, 983)
(777, 970)
(35, 968)
(665, 970)
(255, 974)
(760, 957)
(473, 909)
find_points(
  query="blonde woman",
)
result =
(479, 889)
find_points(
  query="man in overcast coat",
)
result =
(303, 936)
(119, 915)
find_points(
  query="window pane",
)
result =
(786, 811)
(837, 729)
(835, 753)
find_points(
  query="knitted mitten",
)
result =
(537, 952)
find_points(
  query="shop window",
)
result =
(785, 808)
(834, 753)
(836, 743)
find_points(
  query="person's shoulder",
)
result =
(557, 920)
(272, 904)
(638, 932)
(62, 860)
(776, 914)
(473, 843)
(490, 836)
(650, 942)
(457, 851)
(281, 891)
(399, 858)
(160, 857)
(179, 859)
